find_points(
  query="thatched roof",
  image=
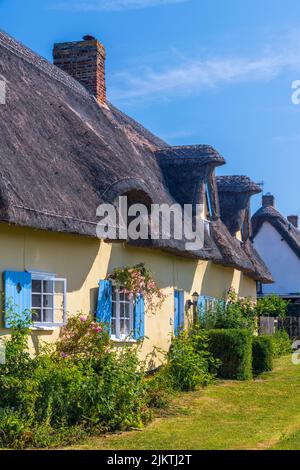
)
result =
(287, 231)
(62, 154)
(234, 196)
(237, 184)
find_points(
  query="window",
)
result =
(48, 299)
(210, 304)
(209, 207)
(122, 324)
(259, 288)
(207, 304)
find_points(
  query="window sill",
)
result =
(123, 340)
(53, 327)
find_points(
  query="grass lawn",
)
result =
(259, 414)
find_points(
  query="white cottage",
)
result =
(277, 239)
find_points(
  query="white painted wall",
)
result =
(280, 259)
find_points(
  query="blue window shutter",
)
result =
(176, 312)
(181, 309)
(17, 291)
(139, 317)
(104, 305)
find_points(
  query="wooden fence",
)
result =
(269, 325)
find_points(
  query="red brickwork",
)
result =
(84, 61)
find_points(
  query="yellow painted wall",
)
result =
(83, 261)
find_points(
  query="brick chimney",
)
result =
(85, 61)
(293, 219)
(268, 200)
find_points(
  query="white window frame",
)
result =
(210, 303)
(118, 336)
(43, 276)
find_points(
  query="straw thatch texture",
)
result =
(62, 154)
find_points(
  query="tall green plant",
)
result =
(189, 360)
(271, 306)
(232, 313)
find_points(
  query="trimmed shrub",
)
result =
(282, 344)
(233, 348)
(262, 354)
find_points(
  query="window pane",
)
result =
(114, 293)
(126, 310)
(58, 301)
(48, 287)
(37, 315)
(113, 327)
(36, 300)
(122, 327)
(36, 286)
(127, 327)
(48, 315)
(122, 296)
(114, 310)
(59, 287)
(58, 315)
(48, 301)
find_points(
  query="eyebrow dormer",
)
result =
(189, 174)
(234, 195)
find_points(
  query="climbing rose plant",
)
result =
(136, 280)
(82, 337)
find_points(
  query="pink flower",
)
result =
(97, 328)
(83, 318)
(64, 355)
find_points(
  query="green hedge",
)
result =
(282, 344)
(262, 354)
(233, 347)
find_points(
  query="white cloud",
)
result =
(110, 5)
(193, 76)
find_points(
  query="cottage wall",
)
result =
(84, 261)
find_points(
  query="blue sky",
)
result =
(193, 71)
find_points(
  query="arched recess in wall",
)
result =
(137, 192)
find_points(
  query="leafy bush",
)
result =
(233, 313)
(189, 361)
(82, 384)
(271, 306)
(159, 389)
(262, 354)
(93, 387)
(82, 337)
(233, 347)
(282, 344)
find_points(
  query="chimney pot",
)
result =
(293, 219)
(88, 37)
(85, 61)
(268, 200)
